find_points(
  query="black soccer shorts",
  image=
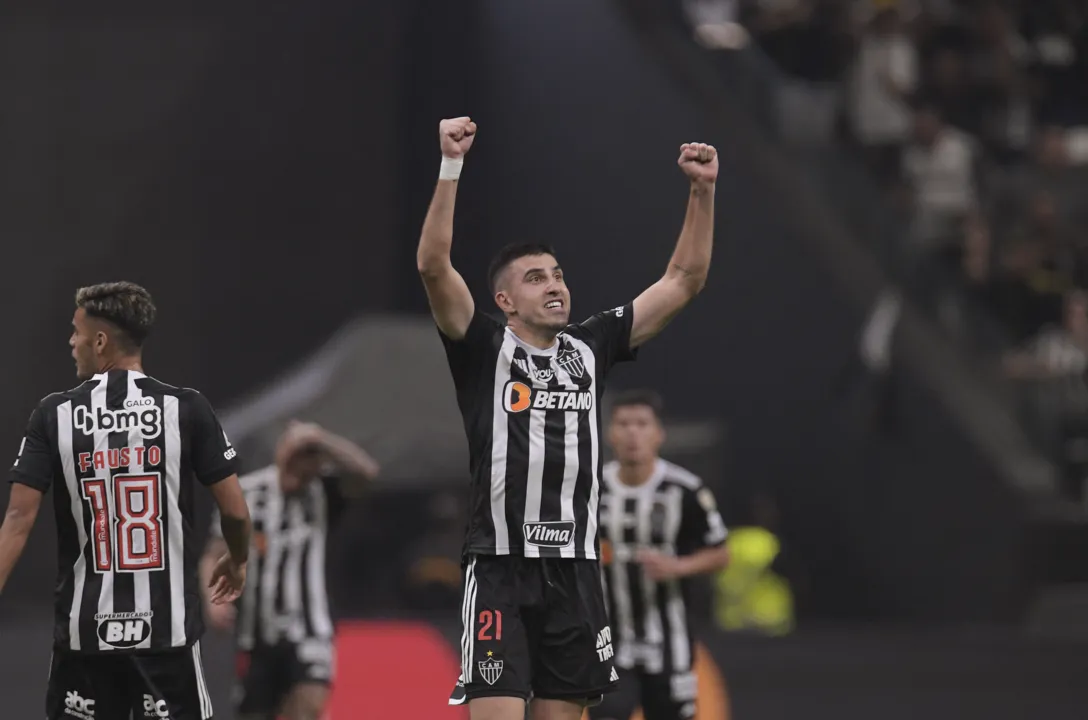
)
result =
(662, 696)
(268, 673)
(107, 686)
(534, 627)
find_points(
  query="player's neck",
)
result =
(637, 474)
(131, 362)
(536, 338)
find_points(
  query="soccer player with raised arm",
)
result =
(529, 390)
(120, 454)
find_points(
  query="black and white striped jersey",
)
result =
(673, 513)
(532, 418)
(120, 453)
(286, 597)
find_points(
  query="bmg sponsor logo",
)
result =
(146, 419)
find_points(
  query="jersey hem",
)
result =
(30, 482)
(521, 552)
(58, 647)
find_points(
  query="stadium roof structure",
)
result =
(381, 381)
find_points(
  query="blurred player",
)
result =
(120, 453)
(661, 526)
(283, 628)
(535, 622)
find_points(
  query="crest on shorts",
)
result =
(490, 670)
(571, 361)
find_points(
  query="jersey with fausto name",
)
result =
(120, 453)
(532, 418)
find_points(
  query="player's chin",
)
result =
(556, 322)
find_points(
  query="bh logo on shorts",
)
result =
(490, 669)
(153, 709)
(78, 707)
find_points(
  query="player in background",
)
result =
(529, 389)
(283, 628)
(660, 526)
(120, 453)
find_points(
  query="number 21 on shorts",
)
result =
(490, 625)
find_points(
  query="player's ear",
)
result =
(504, 303)
(100, 341)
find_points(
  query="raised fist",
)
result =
(699, 162)
(456, 136)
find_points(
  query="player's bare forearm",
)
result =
(704, 561)
(236, 532)
(234, 522)
(690, 262)
(18, 522)
(436, 238)
(689, 265)
(449, 297)
(349, 456)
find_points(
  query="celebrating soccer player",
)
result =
(535, 622)
(661, 526)
(119, 453)
(284, 630)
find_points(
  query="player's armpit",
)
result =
(450, 300)
(19, 519)
(657, 306)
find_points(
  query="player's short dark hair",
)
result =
(640, 397)
(125, 305)
(509, 254)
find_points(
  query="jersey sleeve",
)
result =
(34, 465)
(609, 334)
(472, 353)
(213, 457)
(701, 525)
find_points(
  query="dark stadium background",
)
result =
(264, 171)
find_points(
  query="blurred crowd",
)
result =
(971, 116)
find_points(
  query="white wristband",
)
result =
(450, 168)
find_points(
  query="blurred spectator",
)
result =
(997, 60)
(1057, 31)
(1056, 362)
(1052, 169)
(1040, 266)
(939, 170)
(807, 39)
(947, 86)
(884, 76)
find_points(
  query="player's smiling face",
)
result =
(534, 290)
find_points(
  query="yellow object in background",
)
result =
(749, 594)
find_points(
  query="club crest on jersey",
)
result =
(490, 670)
(146, 419)
(551, 534)
(571, 361)
(518, 397)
